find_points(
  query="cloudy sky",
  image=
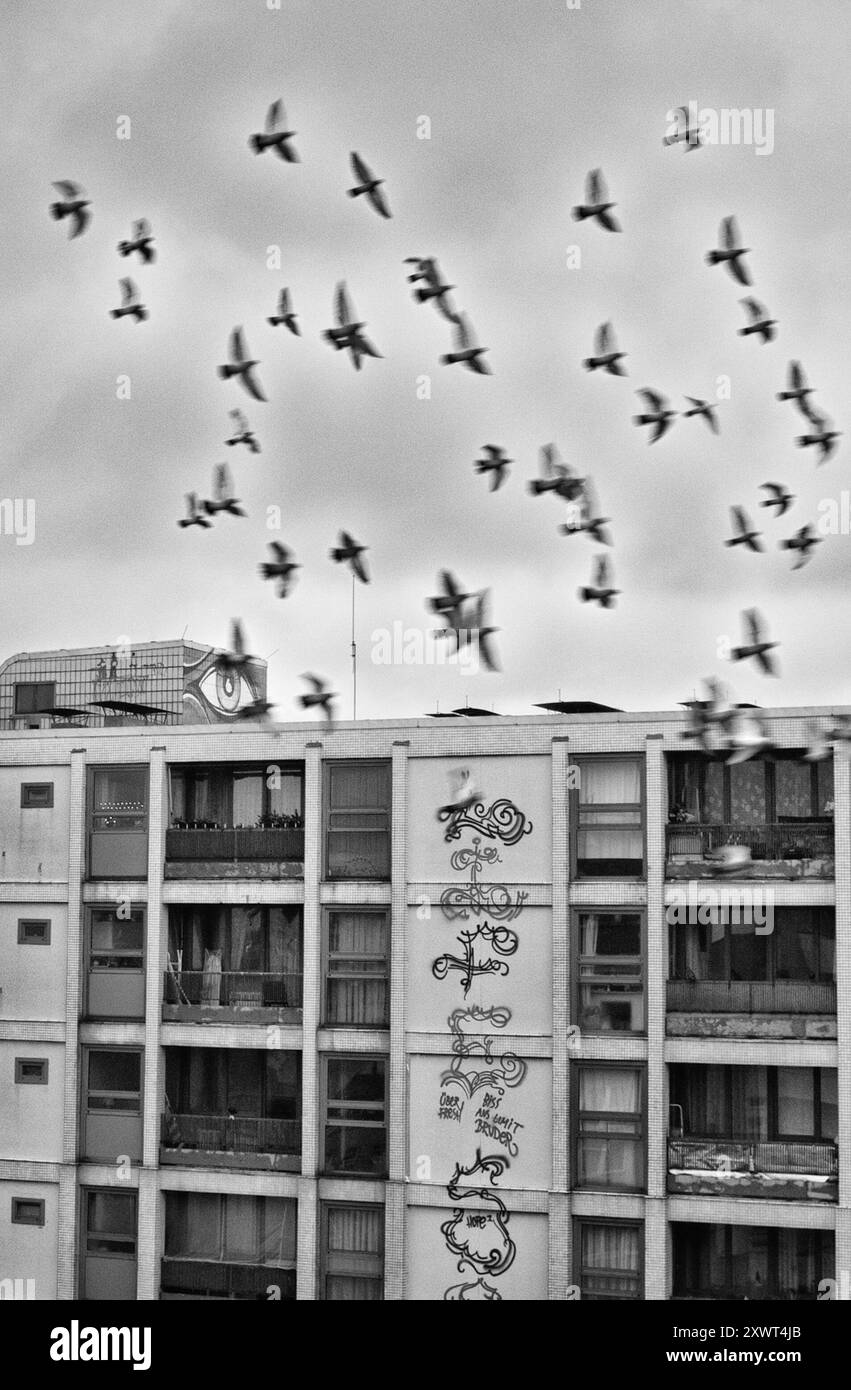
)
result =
(522, 100)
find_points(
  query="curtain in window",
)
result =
(240, 1229)
(192, 1225)
(829, 1103)
(278, 1218)
(801, 1262)
(285, 799)
(792, 780)
(355, 1230)
(795, 1101)
(359, 785)
(607, 783)
(613, 1250)
(357, 946)
(124, 789)
(608, 1088)
(747, 793)
(347, 1288)
(713, 794)
(588, 929)
(247, 798)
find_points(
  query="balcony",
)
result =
(782, 1170)
(204, 850)
(231, 1141)
(750, 1009)
(787, 849)
(206, 996)
(214, 1279)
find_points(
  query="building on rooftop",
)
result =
(280, 1020)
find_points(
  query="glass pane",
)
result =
(121, 789)
(355, 1149)
(747, 793)
(795, 1101)
(114, 1071)
(247, 798)
(609, 783)
(112, 1212)
(610, 1088)
(359, 785)
(793, 782)
(829, 1104)
(277, 1230)
(748, 953)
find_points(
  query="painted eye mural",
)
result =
(214, 696)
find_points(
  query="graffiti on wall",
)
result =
(500, 821)
(502, 1074)
(478, 1238)
(462, 899)
(473, 963)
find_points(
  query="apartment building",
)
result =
(283, 1016)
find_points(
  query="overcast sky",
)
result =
(523, 99)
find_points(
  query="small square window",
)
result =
(27, 1211)
(37, 795)
(34, 697)
(30, 1071)
(33, 931)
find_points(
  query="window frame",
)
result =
(327, 976)
(41, 1080)
(88, 1109)
(577, 980)
(327, 830)
(27, 791)
(18, 1202)
(40, 708)
(135, 911)
(699, 767)
(577, 1119)
(326, 1121)
(819, 922)
(580, 1273)
(86, 1234)
(774, 1135)
(575, 793)
(190, 772)
(29, 922)
(325, 1255)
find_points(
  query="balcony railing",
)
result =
(750, 997)
(764, 1156)
(188, 1278)
(231, 1134)
(783, 840)
(234, 989)
(223, 843)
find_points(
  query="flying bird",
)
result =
(745, 736)
(804, 540)
(237, 658)
(448, 603)
(241, 432)
(730, 252)
(347, 549)
(704, 408)
(756, 644)
(600, 589)
(435, 288)
(285, 314)
(348, 330)
(656, 414)
(556, 476)
(257, 709)
(141, 240)
(131, 304)
(281, 567)
(606, 354)
(687, 134)
(822, 437)
(194, 514)
(476, 630)
(465, 350)
(276, 137)
(463, 794)
(319, 696)
(744, 532)
(223, 499)
(368, 184)
(797, 390)
(585, 516)
(242, 365)
(780, 498)
(759, 321)
(596, 203)
(73, 205)
(496, 464)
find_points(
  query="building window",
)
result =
(115, 1081)
(33, 931)
(219, 1246)
(801, 947)
(117, 943)
(754, 793)
(754, 1103)
(118, 822)
(357, 801)
(236, 955)
(37, 795)
(749, 1262)
(34, 697)
(610, 976)
(356, 977)
(352, 1254)
(355, 1119)
(610, 1128)
(609, 824)
(215, 798)
(27, 1211)
(608, 1260)
(110, 1222)
(30, 1071)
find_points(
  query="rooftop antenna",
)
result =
(354, 656)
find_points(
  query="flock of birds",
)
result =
(465, 614)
